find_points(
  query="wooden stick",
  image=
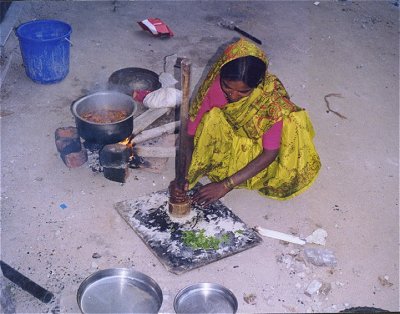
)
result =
(181, 158)
(155, 151)
(146, 118)
(182, 208)
(155, 132)
(279, 235)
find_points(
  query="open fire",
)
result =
(114, 160)
(112, 148)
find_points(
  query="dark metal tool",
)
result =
(230, 25)
(26, 284)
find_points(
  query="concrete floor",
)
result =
(345, 47)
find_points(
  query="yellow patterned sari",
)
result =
(228, 138)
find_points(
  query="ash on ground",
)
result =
(93, 153)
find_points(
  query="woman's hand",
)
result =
(177, 191)
(210, 193)
(213, 191)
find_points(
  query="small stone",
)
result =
(250, 298)
(96, 255)
(318, 237)
(325, 288)
(385, 281)
(320, 257)
(313, 288)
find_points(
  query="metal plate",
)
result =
(205, 298)
(129, 79)
(119, 290)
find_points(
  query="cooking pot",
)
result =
(108, 132)
(119, 290)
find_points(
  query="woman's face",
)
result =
(235, 90)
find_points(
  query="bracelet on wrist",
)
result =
(225, 185)
(229, 183)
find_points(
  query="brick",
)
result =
(67, 140)
(115, 155)
(69, 131)
(75, 159)
(116, 174)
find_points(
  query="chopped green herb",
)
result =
(198, 240)
(225, 238)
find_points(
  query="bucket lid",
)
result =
(43, 30)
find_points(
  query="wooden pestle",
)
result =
(183, 208)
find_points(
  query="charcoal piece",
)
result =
(136, 161)
(67, 140)
(114, 156)
(74, 160)
(116, 174)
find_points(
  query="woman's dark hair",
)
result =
(249, 69)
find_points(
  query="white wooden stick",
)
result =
(155, 132)
(279, 235)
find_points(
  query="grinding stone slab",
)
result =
(163, 234)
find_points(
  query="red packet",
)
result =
(156, 27)
(139, 95)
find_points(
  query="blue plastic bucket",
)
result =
(44, 47)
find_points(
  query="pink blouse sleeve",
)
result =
(214, 98)
(272, 138)
(205, 106)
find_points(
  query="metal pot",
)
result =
(104, 133)
(119, 290)
(205, 297)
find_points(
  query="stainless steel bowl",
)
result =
(205, 298)
(119, 290)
